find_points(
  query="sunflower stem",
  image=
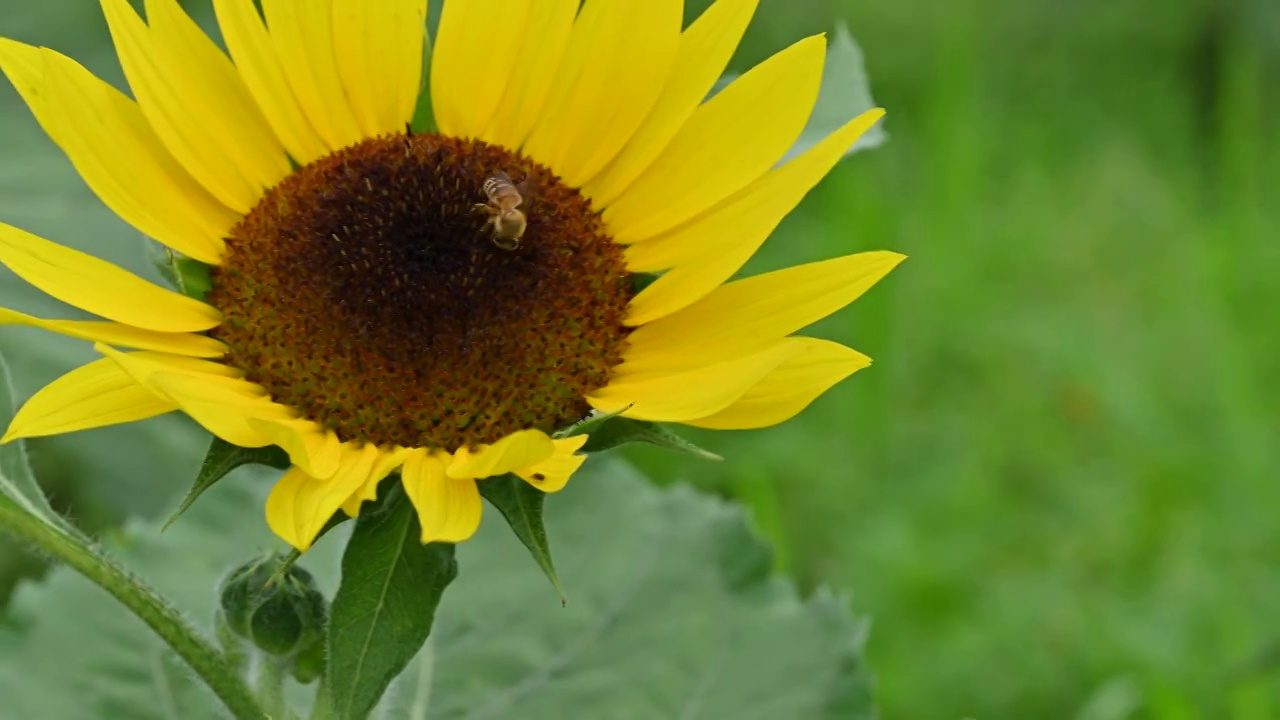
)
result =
(143, 602)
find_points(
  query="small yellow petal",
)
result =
(687, 394)
(619, 58)
(302, 32)
(255, 57)
(91, 396)
(552, 474)
(709, 250)
(728, 142)
(119, 335)
(704, 51)
(300, 505)
(386, 461)
(747, 315)
(378, 44)
(542, 46)
(100, 287)
(312, 448)
(789, 388)
(517, 450)
(475, 54)
(196, 102)
(448, 508)
(116, 152)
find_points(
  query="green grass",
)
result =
(1056, 490)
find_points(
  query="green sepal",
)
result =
(222, 458)
(640, 281)
(187, 276)
(589, 425)
(424, 117)
(612, 432)
(521, 504)
(385, 605)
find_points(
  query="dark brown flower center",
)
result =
(369, 292)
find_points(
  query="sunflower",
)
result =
(439, 302)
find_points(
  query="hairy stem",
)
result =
(142, 601)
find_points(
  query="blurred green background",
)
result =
(1056, 491)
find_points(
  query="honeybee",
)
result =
(505, 217)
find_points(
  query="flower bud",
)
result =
(281, 617)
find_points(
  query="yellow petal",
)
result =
(704, 51)
(476, 49)
(144, 363)
(255, 57)
(748, 315)
(541, 49)
(448, 508)
(378, 44)
(386, 461)
(517, 450)
(312, 448)
(100, 287)
(688, 394)
(196, 102)
(91, 396)
(300, 505)
(619, 57)
(811, 370)
(220, 402)
(220, 410)
(551, 474)
(302, 32)
(709, 250)
(114, 149)
(120, 335)
(728, 142)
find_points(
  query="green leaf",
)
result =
(222, 458)
(675, 613)
(521, 504)
(382, 614)
(845, 94)
(615, 431)
(17, 482)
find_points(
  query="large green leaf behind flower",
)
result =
(672, 612)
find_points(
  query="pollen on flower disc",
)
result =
(367, 292)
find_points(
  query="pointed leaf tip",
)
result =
(521, 504)
(219, 461)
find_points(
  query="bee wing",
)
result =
(528, 187)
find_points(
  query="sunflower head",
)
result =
(437, 305)
(370, 291)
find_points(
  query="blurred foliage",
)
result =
(1057, 482)
(1054, 491)
(667, 575)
